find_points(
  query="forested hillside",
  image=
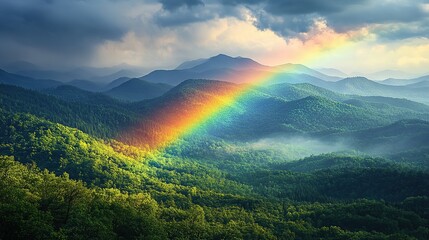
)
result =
(269, 167)
(109, 190)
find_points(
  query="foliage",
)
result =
(59, 182)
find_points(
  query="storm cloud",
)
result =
(71, 32)
(175, 4)
(293, 17)
(58, 27)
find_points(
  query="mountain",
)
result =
(220, 67)
(116, 82)
(63, 76)
(361, 86)
(236, 70)
(400, 103)
(422, 84)
(394, 108)
(334, 161)
(190, 64)
(301, 90)
(365, 87)
(332, 72)
(402, 82)
(97, 86)
(404, 135)
(331, 178)
(65, 174)
(223, 61)
(86, 85)
(77, 95)
(59, 181)
(301, 69)
(94, 74)
(136, 90)
(100, 116)
(119, 74)
(259, 113)
(26, 82)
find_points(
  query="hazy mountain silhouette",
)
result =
(136, 90)
(191, 64)
(226, 68)
(402, 82)
(26, 82)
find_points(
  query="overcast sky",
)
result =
(352, 35)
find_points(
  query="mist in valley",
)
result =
(297, 147)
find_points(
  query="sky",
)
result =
(375, 35)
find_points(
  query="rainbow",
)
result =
(172, 121)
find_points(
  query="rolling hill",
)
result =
(26, 82)
(113, 190)
(86, 85)
(260, 113)
(99, 115)
(404, 135)
(136, 90)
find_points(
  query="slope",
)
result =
(404, 135)
(259, 114)
(26, 82)
(137, 90)
(93, 118)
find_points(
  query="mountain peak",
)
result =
(222, 61)
(221, 55)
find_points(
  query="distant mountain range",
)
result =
(26, 82)
(98, 75)
(404, 135)
(365, 87)
(224, 68)
(403, 82)
(385, 74)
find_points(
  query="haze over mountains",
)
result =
(293, 97)
(221, 67)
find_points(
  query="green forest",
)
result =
(325, 166)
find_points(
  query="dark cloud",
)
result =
(57, 27)
(183, 16)
(403, 31)
(294, 7)
(290, 18)
(171, 5)
(69, 31)
(297, 7)
(378, 12)
(196, 13)
(290, 26)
